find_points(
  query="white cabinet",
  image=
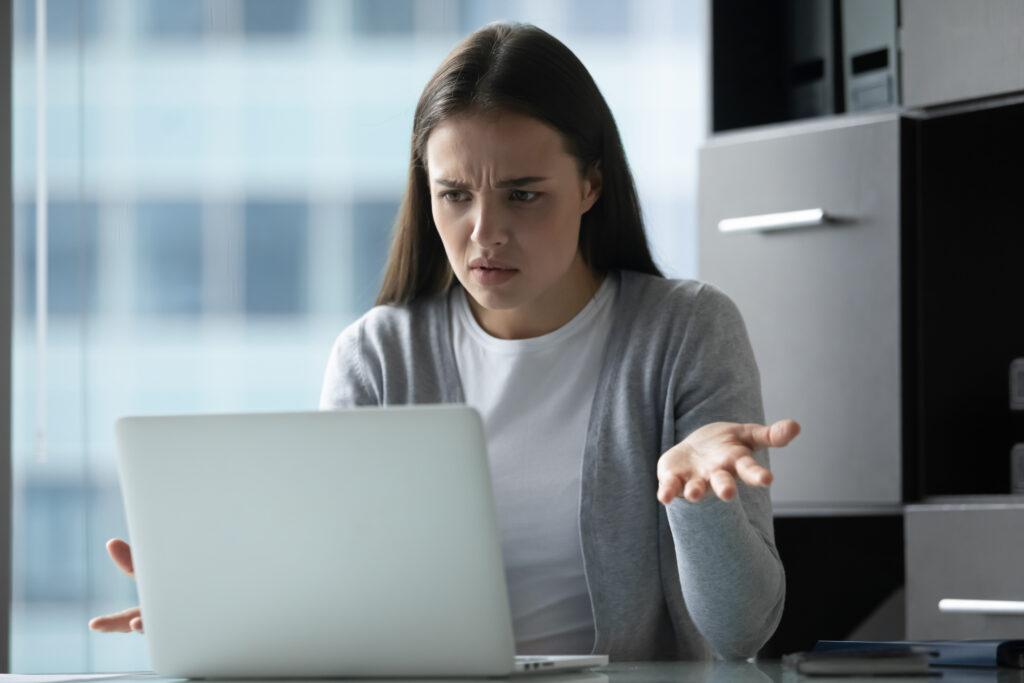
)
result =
(957, 50)
(822, 301)
(971, 549)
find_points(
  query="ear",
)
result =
(592, 180)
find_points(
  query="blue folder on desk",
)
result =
(983, 653)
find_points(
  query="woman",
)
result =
(520, 281)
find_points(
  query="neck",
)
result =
(550, 311)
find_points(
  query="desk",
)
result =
(772, 671)
(678, 672)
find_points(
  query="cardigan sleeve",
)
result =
(732, 578)
(346, 382)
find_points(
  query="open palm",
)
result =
(716, 455)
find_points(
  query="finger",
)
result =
(668, 488)
(784, 431)
(121, 553)
(136, 624)
(776, 435)
(695, 489)
(675, 468)
(119, 622)
(752, 472)
(723, 484)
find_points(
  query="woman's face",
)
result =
(507, 199)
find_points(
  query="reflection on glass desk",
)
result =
(650, 672)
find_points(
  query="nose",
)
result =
(488, 228)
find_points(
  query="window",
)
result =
(55, 510)
(223, 178)
(66, 21)
(274, 17)
(71, 262)
(179, 20)
(372, 223)
(383, 17)
(608, 17)
(276, 245)
(475, 13)
(170, 258)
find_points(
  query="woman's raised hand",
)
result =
(715, 455)
(130, 619)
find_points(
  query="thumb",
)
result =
(757, 436)
(783, 431)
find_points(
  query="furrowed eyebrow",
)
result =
(454, 184)
(511, 182)
(519, 182)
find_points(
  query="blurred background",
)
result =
(219, 183)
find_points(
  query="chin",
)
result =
(493, 299)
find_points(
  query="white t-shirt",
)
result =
(535, 397)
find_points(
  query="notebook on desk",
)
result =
(358, 543)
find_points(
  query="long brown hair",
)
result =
(519, 68)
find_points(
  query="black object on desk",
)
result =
(891, 660)
(979, 653)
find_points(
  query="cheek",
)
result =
(449, 229)
(553, 235)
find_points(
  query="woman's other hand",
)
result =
(715, 455)
(130, 619)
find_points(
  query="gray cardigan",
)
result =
(687, 581)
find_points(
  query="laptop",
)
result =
(354, 543)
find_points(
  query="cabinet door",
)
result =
(955, 50)
(964, 288)
(963, 551)
(821, 303)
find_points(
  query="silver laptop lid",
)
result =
(348, 543)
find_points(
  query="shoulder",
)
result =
(675, 305)
(392, 326)
(394, 355)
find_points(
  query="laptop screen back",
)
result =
(348, 543)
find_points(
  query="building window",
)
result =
(53, 571)
(170, 249)
(274, 18)
(372, 223)
(177, 20)
(383, 17)
(66, 20)
(71, 262)
(276, 258)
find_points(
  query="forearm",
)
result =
(732, 580)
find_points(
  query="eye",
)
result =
(524, 196)
(454, 196)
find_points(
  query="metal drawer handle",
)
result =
(951, 605)
(786, 220)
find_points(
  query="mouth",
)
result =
(491, 274)
(493, 269)
(489, 264)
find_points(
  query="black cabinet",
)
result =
(963, 295)
(783, 60)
